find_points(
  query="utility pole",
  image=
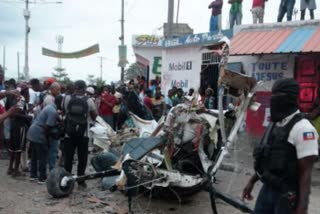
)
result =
(170, 17)
(18, 62)
(122, 36)
(4, 64)
(59, 40)
(101, 66)
(178, 10)
(26, 14)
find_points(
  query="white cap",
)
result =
(90, 90)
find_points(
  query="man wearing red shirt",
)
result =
(148, 99)
(258, 10)
(107, 103)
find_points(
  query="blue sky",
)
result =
(86, 22)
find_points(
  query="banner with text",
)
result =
(83, 53)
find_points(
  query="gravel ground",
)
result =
(20, 196)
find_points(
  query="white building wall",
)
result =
(150, 53)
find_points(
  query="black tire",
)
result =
(53, 183)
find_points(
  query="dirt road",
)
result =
(21, 196)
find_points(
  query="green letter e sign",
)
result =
(156, 69)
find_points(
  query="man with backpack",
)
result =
(78, 110)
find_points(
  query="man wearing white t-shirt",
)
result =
(285, 155)
(34, 93)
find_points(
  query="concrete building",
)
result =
(267, 52)
(270, 52)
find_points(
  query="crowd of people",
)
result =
(41, 119)
(45, 124)
(286, 7)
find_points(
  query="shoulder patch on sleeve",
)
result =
(308, 136)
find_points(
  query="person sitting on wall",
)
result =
(286, 7)
(235, 14)
(311, 5)
(215, 20)
(258, 11)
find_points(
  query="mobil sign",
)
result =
(180, 83)
(181, 68)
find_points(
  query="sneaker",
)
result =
(33, 178)
(41, 181)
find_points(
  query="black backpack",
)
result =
(76, 118)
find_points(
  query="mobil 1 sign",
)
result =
(180, 74)
(180, 66)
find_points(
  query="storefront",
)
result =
(184, 62)
(268, 52)
(271, 52)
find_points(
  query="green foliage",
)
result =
(100, 83)
(60, 75)
(133, 71)
(65, 81)
(92, 80)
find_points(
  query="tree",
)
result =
(133, 71)
(60, 74)
(92, 80)
(66, 81)
(100, 83)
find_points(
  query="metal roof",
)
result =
(313, 45)
(281, 40)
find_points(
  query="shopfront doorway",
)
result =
(307, 73)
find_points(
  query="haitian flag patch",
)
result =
(308, 136)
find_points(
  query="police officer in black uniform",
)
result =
(285, 156)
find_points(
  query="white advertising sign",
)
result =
(181, 68)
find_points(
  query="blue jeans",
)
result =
(286, 7)
(271, 201)
(214, 20)
(53, 153)
(235, 18)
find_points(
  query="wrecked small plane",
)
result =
(181, 155)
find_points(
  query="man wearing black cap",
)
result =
(78, 109)
(285, 155)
